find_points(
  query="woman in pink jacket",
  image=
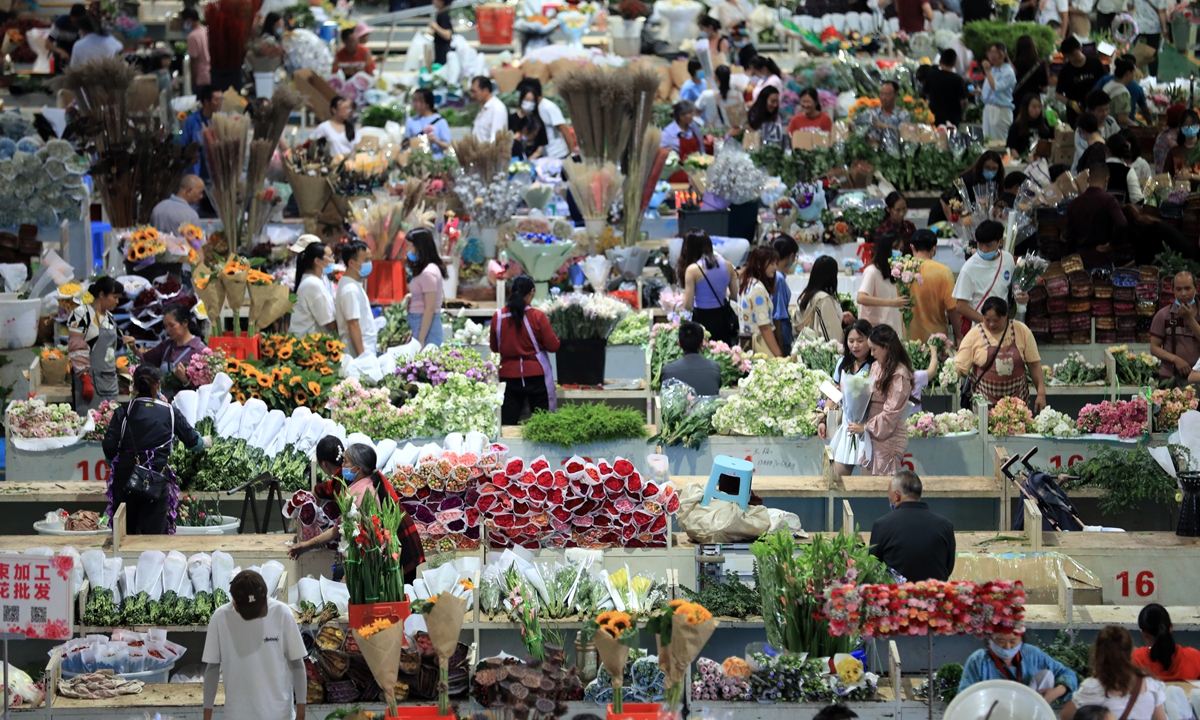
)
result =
(891, 388)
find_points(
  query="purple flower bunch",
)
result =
(711, 683)
(436, 365)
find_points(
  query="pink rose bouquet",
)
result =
(1123, 418)
(1010, 416)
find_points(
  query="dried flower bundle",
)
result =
(595, 187)
(483, 158)
(269, 120)
(225, 145)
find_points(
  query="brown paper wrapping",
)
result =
(699, 179)
(679, 73)
(613, 655)
(382, 653)
(311, 193)
(444, 623)
(686, 643)
(751, 139)
(235, 290)
(54, 372)
(259, 296)
(213, 294)
(278, 304)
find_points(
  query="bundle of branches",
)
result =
(382, 222)
(225, 148)
(595, 186)
(485, 159)
(270, 119)
(641, 167)
(161, 164)
(233, 22)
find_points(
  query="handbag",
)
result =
(1137, 690)
(145, 482)
(965, 390)
(733, 325)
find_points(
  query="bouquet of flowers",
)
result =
(204, 366)
(820, 355)
(1171, 405)
(928, 607)
(614, 633)
(458, 404)
(682, 628)
(733, 177)
(1074, 369)
(732, 360)
(787, 677)
(1052, 423)
(711, 682)
(686, 419)
(1030, 269)
(576, 316)
(856, 399)
(34, 425)
(926, 424)
(368, 411)
(471, 333)
(101, 417)
(634, 329)
(906, 270)
(777, 398)
(435, 365)
(1138, 369)
(144, 245)
(847, 680)
(1123, 418)
(1010, 416)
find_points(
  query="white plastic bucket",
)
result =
(264, 84)
(227, 526)
(18, 323)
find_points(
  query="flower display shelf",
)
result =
(240, 347)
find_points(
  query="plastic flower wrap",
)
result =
(819, 354)
(926, 424)
(1052, 423)
(734, 177)
(709, 682)
(1172, 405)
(1010, 416)
(1124, 418)
(596, 268)
(1030, 269)
(778, 398)
(906, 271)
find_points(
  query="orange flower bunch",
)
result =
(293, 371)
(235, 265)
(864, 103)
(191, 233)
(143, 243)
(52, 354)
(614, 623)
(258, 277)
(199, 283)
(374, 627)
(694, 612)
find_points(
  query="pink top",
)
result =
(360, 488)
(772, 80)
(886, 412)
(428, 280)
(197, 47)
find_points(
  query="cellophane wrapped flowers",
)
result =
(1172, 404)
(921, 608)
(733, 176)
(101, 417)
(1052, 423)
(1123, 418)
(576, 316)
(927, 424)
(711, 683)
(820, 354)
(35, 419)
(1010, 416)
(777, 398)
(786, 677)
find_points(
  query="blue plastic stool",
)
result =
(98, 230)
(722, 466)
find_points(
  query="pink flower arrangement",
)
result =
(204, 366)
(1171, 405)
(1123, 418)
(101, 417)
(922, 608)
(35, 419)
(906, 272)
(1010, 416)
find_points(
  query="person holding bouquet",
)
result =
(171, 356)
(891, 388)
(995, 354)
(855, 364)
(879, 301)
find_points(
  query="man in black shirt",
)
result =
(945, 90)
(911, 540)
(63, 34)
(1078, 76)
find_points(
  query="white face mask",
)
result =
(528, 106)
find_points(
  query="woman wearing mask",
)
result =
(891, 388)
(818, 312)
(857, 360)
(352, 308)
(522, 336)
(1006, 657)
(272, 27)
(93, 343)
(997, 93)
(755, 300)
(313, 311)
(171, 356)
(684, 135)
(718, 106)
(1029, 128)
(719, 46)
(1169, 662)
(359, 477)
(764, 119)
(708, 284)
(989, 168)
(996, 353)
(338, 130)
(142, 433)
(768, 74)
(425, 288)
(894, 221)
(878, 300)
(1176, 162)
(1125, 689)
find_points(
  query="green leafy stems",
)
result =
(582, 424)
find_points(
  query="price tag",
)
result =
(1135, 587)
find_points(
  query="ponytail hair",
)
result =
(522, 285)
(146, 380)
(305, 261)
(1156, 622)
(333, 106)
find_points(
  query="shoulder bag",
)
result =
(1137, 690)
(967, 388)
(144, 481)
(732, 324)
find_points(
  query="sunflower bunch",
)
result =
(615, 623)
(143, 243)
(234, 265)
(316, 352)
(192, 233)
(282, 387)
(259, 278)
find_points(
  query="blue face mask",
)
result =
(187, 27)
(279, 32)
(989, 174)
(412, 256)
(700, 76)
(1191, 130)
(1179, 304)
(1002, 653)
(348, 474)
(328, 269)
(366, 269)
(989, 256)
(897, 254)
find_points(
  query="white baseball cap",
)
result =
(302, 242)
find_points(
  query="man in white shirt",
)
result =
(355, 322)
(987, 273)
(256, 643)
(493, 116)
(92, 45)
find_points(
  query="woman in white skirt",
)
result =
(847, 448)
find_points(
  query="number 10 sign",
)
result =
(35, 596)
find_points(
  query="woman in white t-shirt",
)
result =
(338, 130)
(1126, 690)
(878, 301)
(313, 312)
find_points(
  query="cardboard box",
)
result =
(809, 140)
(317, 93)
(1063, 152)
(679, 73)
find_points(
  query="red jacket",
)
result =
(517, 356)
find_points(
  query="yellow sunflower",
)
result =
(335, 355)
(325, 370)
(266, 351)
(285, 352)
(232, 365)
(295, 380)
(300, 398)
(264, 381)
(314, 388)
(285, 370)
(283, 390)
